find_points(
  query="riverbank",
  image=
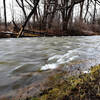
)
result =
(48, 33)
(61, 86)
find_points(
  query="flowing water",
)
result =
(26, 55)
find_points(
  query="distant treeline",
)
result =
(58, 15)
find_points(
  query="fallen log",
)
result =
(5, 34)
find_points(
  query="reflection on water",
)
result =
(32, 54)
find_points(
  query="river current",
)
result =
(26, 55)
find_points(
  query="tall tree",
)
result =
(81, 10)
(5, 16)
(28, 18)
(94, 13)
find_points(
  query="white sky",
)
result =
(8, 9)
(9, 6)
(18, 12)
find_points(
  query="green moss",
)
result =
(34, 99)
(95, 69)
(80, 87)
(44, 97)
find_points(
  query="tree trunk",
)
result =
(94, 12)
(5, 17)
(81, 10)
(28, 18)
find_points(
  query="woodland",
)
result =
(54, 17)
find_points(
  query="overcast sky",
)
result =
(18, 12)
(9, 7)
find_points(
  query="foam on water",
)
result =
(8, 40)
(49, 66)
(26, 38)
(55, 57)
(16, 68)
(69, 56)
(61, 59)
(72, 58)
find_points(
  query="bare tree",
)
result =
(81, 10)
(28, 18)
(22, 6)
(5, 16)
(94, 13)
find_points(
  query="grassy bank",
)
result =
(80, 87)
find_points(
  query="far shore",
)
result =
(39, 33)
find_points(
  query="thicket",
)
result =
(59, 16)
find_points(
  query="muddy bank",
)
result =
(61, 86)
(35, 83)
(85, 86)
(39, 33)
